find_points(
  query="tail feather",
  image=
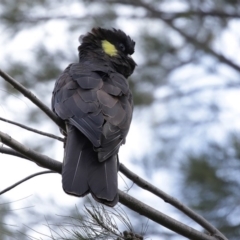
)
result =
(74, 171)
(105, 175)
(83, 173)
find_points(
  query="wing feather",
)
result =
(97, 102)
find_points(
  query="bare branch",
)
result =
(151, 188)
(180, 93)
(36, 19)
(23, 180)
(154, 13)
(124, 198)
(33, 129)
(12, 152)
(161, 218)
(168, 15)
(171, 200)
(199, 13)
(204, 47)
(28, 94)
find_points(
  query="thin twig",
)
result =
(33, 129)
(12, 152)
(124, 198)
(156, 14)
(171, 200)
(171, 15)
(204, 47)
(199, 13)
(168, 15)
(28, 94)
(181, 93)
(24, 180)
(36, 19)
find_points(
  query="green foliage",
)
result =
(8, 230)
(211, 184)
(96, 222)
(4, 227)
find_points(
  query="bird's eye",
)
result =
(122, 47)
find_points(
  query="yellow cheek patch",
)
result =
(109, 48)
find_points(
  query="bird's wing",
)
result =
(75, 100)
(98, 102)
(115, 100)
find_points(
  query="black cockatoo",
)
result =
(93, 98)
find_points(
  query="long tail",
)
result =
(83, 173)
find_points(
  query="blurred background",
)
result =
(184, 136)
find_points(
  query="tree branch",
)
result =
(33, 130)
(36, 19)
(12, 152)
(190, 13)
(39, 159)
(124, 198)
(28, 94)
(154, 13)
(161, 218)
(151, 188)
(171, 200)
(181, 93)
(168, 15)
(204, 47)
(24, 180)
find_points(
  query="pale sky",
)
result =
(138, 141)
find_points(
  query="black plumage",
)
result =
(94, 99)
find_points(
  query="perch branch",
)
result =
(124, 198)
(151, 188)
(39, 159)
(12, 152)
(171, 200)
(161, 218)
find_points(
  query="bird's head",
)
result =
(111, 46)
